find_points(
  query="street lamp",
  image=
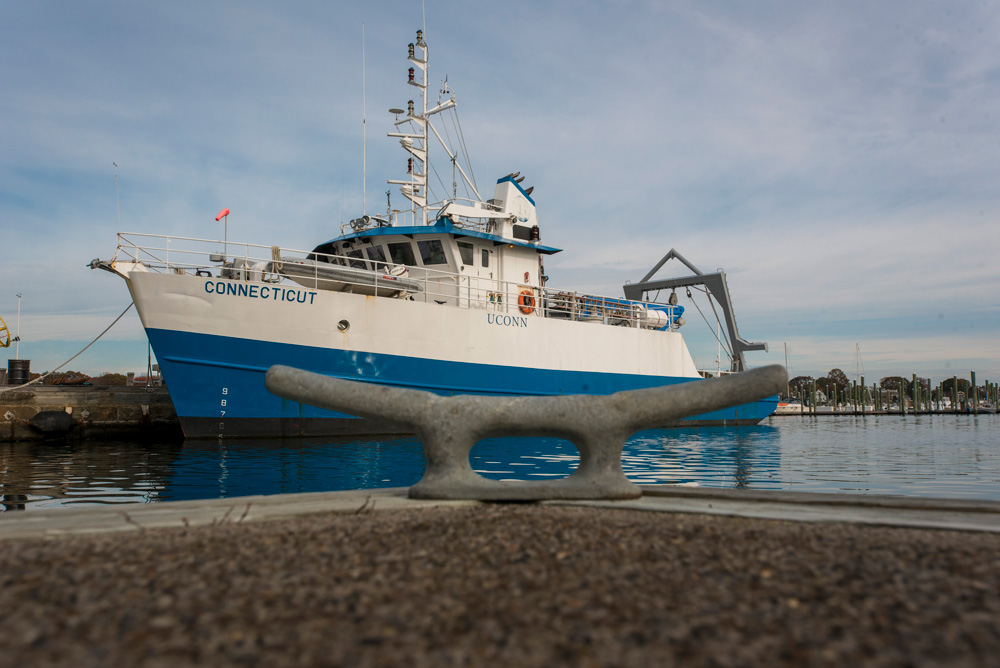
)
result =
(17, 336)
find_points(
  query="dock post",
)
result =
(974, 394)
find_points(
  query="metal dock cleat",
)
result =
(598, 425)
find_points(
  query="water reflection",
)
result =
(944, 456)
(40, 475)
(711, 457)
(207, 470)
(955, 456)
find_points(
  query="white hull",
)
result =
(431, 331)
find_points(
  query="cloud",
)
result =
(838, 160)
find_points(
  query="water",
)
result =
(926, 456)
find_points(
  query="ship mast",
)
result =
(417, 143)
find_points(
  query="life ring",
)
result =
(526, 301)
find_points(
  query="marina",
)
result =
(894, 395)
(533, 295)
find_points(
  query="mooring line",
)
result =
(49, 373)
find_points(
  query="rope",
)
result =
(725, 345)
(725, 335)
(49, 373)
(465, 151)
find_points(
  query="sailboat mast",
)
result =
(789, 375)
(857, 362)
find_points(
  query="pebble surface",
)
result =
(504, 584)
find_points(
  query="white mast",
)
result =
(364, 130)
(417, 143)
(415, 189)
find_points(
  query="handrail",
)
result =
(444, 287)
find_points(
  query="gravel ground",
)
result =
(515, 585)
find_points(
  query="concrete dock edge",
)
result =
(949, 514)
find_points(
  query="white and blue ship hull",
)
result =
(447, 296)
(215, 339)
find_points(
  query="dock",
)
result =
(107, 412)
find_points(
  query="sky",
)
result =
(839, 160)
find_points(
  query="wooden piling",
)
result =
(974, 394)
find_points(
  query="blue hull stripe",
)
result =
(223, 377)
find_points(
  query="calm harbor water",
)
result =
(952, 456)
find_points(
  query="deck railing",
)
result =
(253, 262)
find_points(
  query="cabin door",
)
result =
(481, 288)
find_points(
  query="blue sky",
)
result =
(840, 160)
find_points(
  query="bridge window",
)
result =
(402, 253)
(466, 250)
(357, 263)
(322, 253)
(376, 254)
(431, 252)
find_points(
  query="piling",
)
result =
(974, 394)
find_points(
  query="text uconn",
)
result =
(506, 320)
(259, 291)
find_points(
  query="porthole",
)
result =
(343, 325)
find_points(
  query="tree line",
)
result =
(904, 386)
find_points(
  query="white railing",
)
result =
(253, 262)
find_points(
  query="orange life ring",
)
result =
(526, 301)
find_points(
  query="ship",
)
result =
(445, 294)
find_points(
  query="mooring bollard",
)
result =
(598, 425)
